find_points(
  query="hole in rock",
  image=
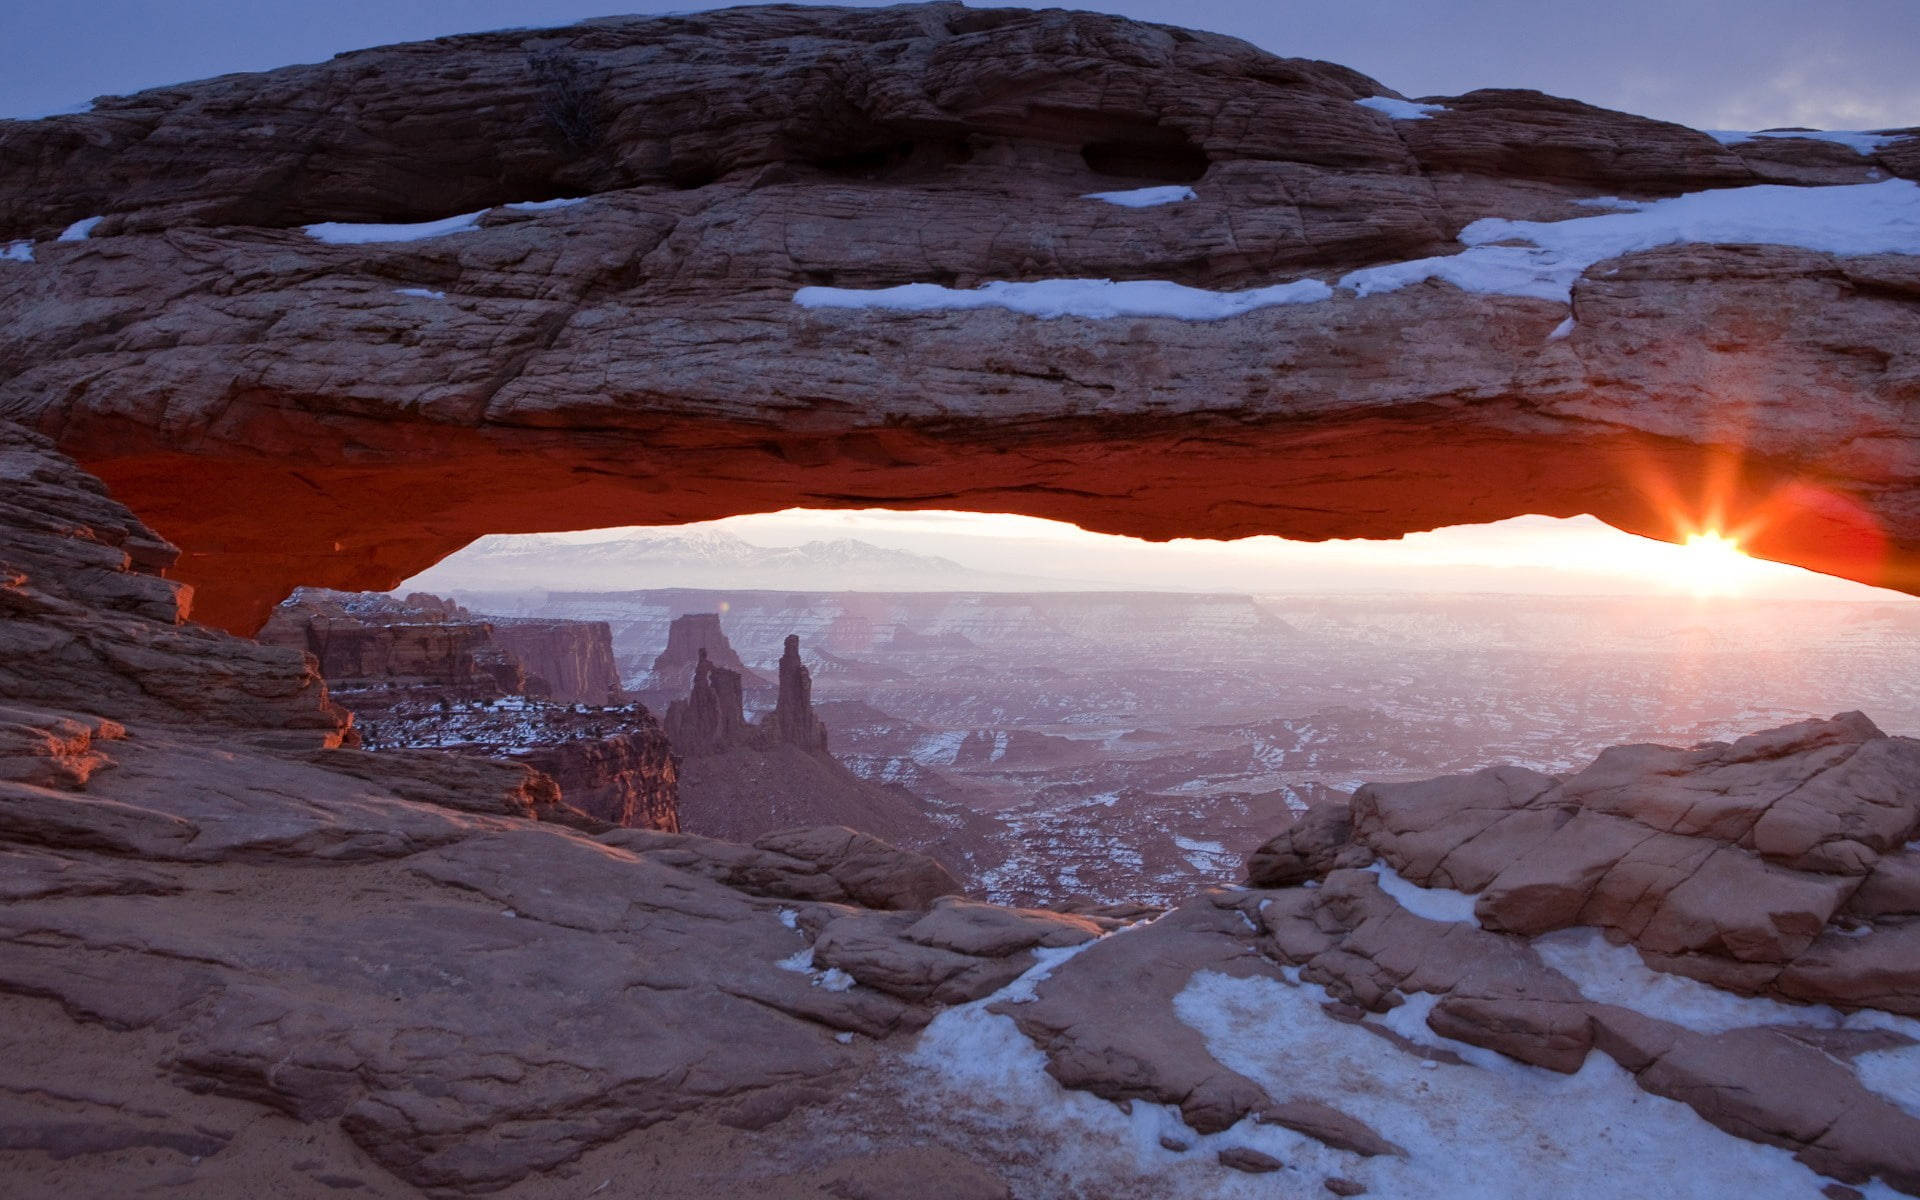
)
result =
(1063, 716)
(895, 159)
(1161, 154)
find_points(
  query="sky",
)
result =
(1713, 64)
(1532, 555)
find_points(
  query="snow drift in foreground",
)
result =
(1537, 259)
(1485, 1128)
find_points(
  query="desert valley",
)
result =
(414, 784)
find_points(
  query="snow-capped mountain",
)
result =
(701, 557)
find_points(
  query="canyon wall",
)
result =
(649, 353)
(370, 644)
(626, 779)
(425, 673)
(572, 659)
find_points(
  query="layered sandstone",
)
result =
(571, 660)
(424, 673)
(379, 650)
(638, 357)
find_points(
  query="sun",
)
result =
(1711, 564)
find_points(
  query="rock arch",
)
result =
(292, 409)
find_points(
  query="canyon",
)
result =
(387, 901)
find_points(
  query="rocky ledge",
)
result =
(337, 320)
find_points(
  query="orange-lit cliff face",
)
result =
(291, 409)
(253, 530)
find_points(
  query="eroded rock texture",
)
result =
(638, 357)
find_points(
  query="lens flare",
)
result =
(1710, 563)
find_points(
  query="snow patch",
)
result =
(423, 293)
(1206, 857)
(344, 233)
(1561, 331)
(20, 251)
(833, 979)
(1894, 1074)
(80, 230)
(939, 748)
(1861, 218)
(545, 205)
(1613, 974)
(1536, 259)
(1148, 197)
(1859, 142)
(1050, 298)
(1435, 904)
(799, 960)
(790, 918)
(1491, 1129)
(1401, 110)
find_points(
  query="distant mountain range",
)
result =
(705, 558)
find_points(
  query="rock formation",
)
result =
(712, 718)
(1778, 864)
(571, 660)
(473, 993)
(237, 952)
(379, 650)
(691, 639)
(85, 613)
(739, 781)
(639, 356)
(793, 720)
(425, 673)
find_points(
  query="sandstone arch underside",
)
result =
(298, 406)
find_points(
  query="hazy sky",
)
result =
(1536, 555)
(1718, 64)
